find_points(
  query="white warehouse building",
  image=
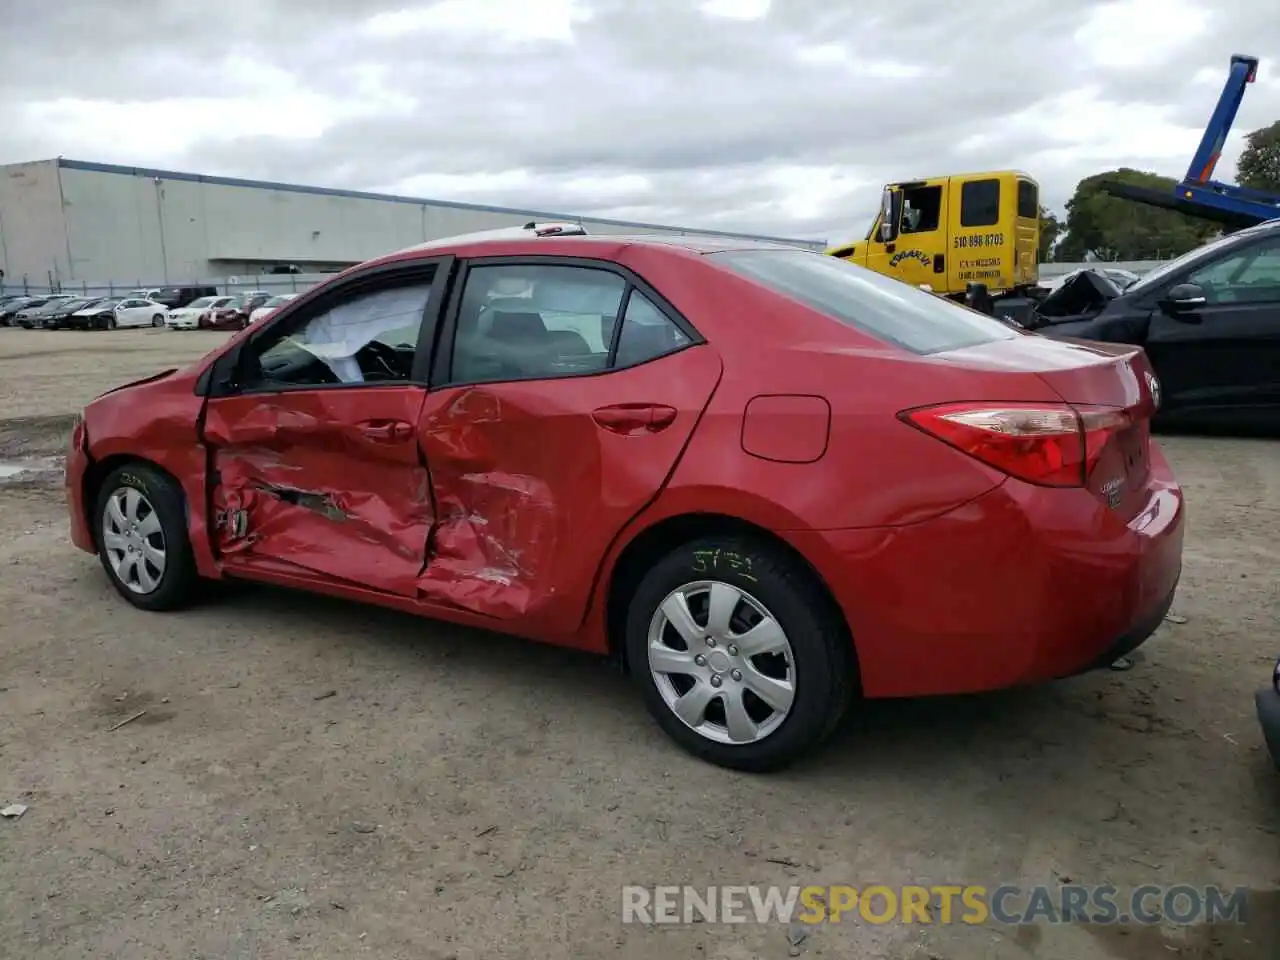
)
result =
(73, 223)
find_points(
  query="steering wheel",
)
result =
(387, 355)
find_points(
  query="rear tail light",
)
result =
(1048, 444)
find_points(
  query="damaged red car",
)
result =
(769, 482)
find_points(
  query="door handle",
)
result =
(384, 431)
(634, 418)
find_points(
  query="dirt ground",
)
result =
(313, 779)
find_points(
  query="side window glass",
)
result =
(647, 332)
(1247, 276)
(523, 321)
(921, 209)
(980, 203)
(369, 337)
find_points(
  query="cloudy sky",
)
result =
(781, 117)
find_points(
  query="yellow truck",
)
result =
(946, 233)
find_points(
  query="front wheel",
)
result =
(740, 655)
(158, 320)
(143, 544)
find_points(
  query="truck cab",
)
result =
(945, 233)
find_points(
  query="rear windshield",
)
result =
(880, 306)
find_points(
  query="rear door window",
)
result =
(882, 307)
(1028, 200)
(980, 203)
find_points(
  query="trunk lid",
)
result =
(1111, 385)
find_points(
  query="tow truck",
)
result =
(956, 233)
(1198, 194)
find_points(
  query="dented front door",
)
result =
(534, 479)
(328, 483)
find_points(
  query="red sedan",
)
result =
(768, 481)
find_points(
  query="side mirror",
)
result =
(1184, 297)
(890, 206)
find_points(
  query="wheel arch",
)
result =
(656, 541)
(97, 474)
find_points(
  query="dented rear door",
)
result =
(535, 478)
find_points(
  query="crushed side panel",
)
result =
(497, 529)
(298, 489)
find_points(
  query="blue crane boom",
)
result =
(1198, 194)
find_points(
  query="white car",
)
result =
(188, 317)
(134, 312)
(271, 306)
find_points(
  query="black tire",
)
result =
(178, 584)
(158, 320)
(111, 323)
(824, 663)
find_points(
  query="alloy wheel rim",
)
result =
(133, 540)
(722, 662)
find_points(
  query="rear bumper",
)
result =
(1268, 704)
(1022, 585)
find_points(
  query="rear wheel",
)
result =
(740, 656)
(141, 529)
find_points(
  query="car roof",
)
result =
(592, 246)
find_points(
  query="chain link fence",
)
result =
(274, 284)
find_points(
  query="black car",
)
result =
(11, 308)
(57, 315)
(33, 312)
(1209, 322)
(98, 315)
(1268, 700)
(175, 297)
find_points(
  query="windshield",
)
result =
(1154, 277)
(277, 301)
(202, 302)
(880, 306)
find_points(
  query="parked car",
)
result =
(271, 306)
(199, 314)
(136, 312)
(99, 315)
(1209, 321)
(1121, 278)
(175, 297)
(1268, 703)
(10, 309)
(767, 480)
(56, 315)
(32, 312)
(236, 316)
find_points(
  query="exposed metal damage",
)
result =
(491, 544)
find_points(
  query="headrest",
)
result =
(516, 326)
(568, 343)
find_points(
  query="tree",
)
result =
(1111, 228)
(1050, 229)
(1259, 165)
